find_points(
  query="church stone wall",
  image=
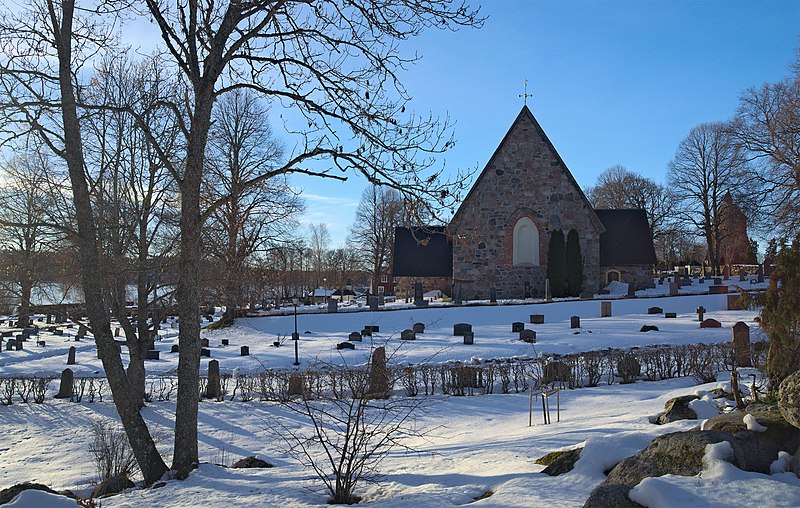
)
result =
(640, 275)
(524, 178)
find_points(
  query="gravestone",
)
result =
(700, 312)
(205, 352)
(418, 327)
(457, 298)
(11, 345)
(345, 345)
(117, 331)
(605, 309)
(717, 281)
(66, 388)
(493, 296)
(741, 344)
(726, 272)
(373, 302)
(631, 289)
(175, 349)
(575, 322)
(373, 328)
(517, 327)
(537, 319)
(333, 305)
(203, 342)
(82, 331)
(718, 290)
(419, 299)
(735, 302)
(71, 356)
(408, 335)
(214, 387)
(655, 310)
(527, 336)
(673, 289)
(244, 351)
(710, 323)
(7, 333)
(742, 274)
(671, 315)
(461, 328)
(381, 300)
(469, 338)
(648, 328)
(18, 344)
(226, 342)
(295, 384)
(378, 375)
(354, 337)
(366, 332)
(49, 319)
(153, 354)
(678, 281)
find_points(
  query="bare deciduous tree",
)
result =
(372, 232)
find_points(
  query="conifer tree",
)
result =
(574, 264)
(557, 263)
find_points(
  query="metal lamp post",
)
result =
(295, 335)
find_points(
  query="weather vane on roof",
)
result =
(525, 94)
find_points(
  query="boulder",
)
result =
(111, 486)
(8, 495)
(560, 462)
(677, 409)
(789, 399)
(610, 496)
(250, 462)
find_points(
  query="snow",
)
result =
(39, 499)
(720, 484)
(705, 407)
(474, 444)
(752, 424)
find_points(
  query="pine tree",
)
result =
(557, 263)
(574, 264)
(780, 314)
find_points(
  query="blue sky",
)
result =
(618, 82)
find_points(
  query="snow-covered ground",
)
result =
(478, 444)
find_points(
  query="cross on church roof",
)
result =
(525, 94)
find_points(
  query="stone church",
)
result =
(498, 238)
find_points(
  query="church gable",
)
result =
(525, 191)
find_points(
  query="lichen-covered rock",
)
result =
(560, 462)
(677, 409)
(789, 399)
(250, 462)
(610, 496)
(8, 495)
(111, 486)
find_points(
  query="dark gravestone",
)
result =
(175, 349)
(461, 328)
(18, 344)
(49, 319)
(65, 388)
(345, 345)
(41, 343)
(492, 295)
(11, 345)
(214, 386)
(655, 310)
(419, 299)
(378, 375)
(295, 384)
(701, 311)
(741, 345)
(726, 272)
(742, 274)
(671, 315)
(226, 342)
(373, 302)
(205, 352)
(82, 331)
(333, 305)
(527, 336)
(648, 328)
(710, 323)
(605, 309)
(7, 333)
(717, 281)
(203, 342)
(152, 354)
(373, 328)
(517, 327)
(408, 335)
(631, 289)
(30, 331)
(457, 298)
(574, 322)
(244, 351)
(469, 338)
(381, 300)
(354, 337)
(735, 302)
(418, 327)
(366, 332)
(673, 289)
(537, 319)
(718, 290)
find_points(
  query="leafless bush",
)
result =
(111, 451)
(628, 368)
(7, 389)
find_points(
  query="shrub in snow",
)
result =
(628, 368)
(111, 451)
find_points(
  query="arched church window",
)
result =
(526, 243)
(612, 276)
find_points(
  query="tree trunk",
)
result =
(147, 456)
(24, 316)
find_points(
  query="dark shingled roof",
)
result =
(627, 240)
(432, 258)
